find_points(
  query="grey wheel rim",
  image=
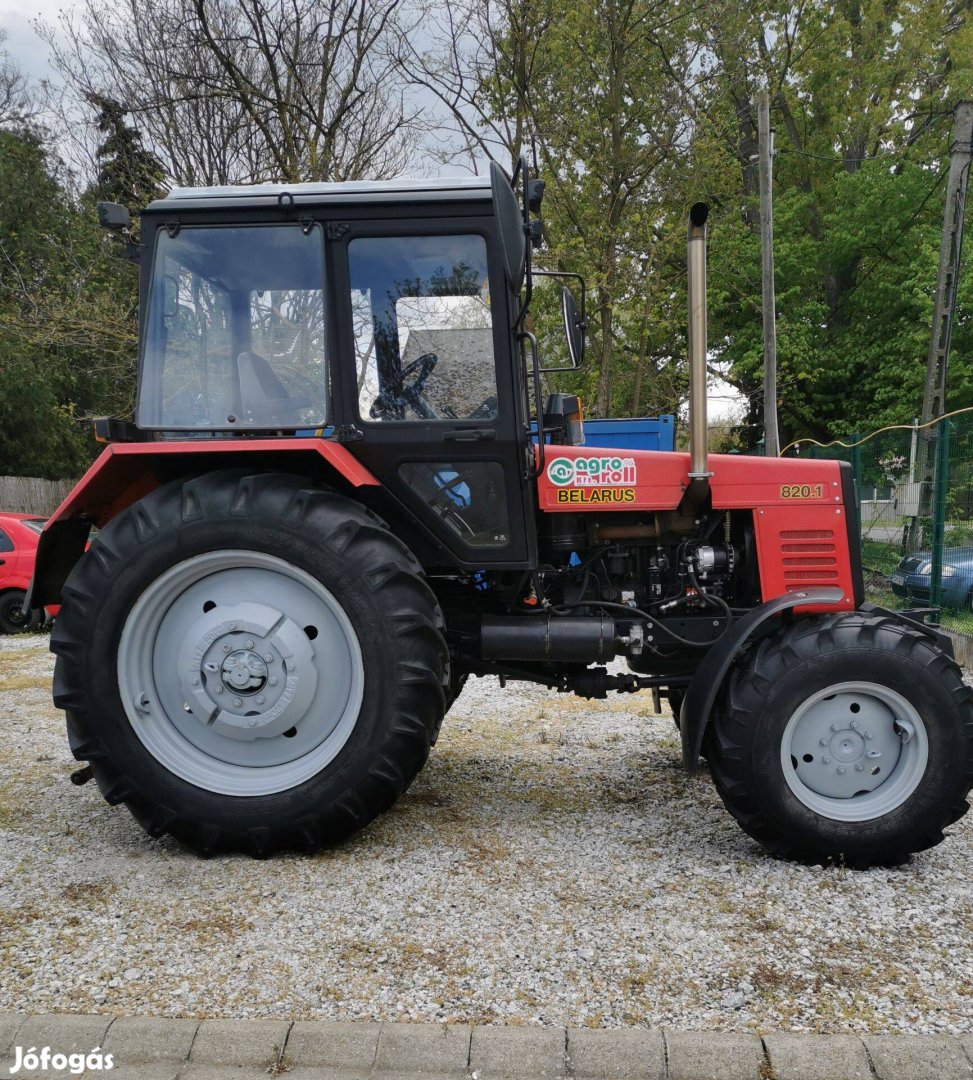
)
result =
(240, 673)
(854, 751)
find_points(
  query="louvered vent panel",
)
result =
(806, 559)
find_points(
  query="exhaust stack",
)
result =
(698, 432)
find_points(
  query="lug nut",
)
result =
(268, 658)
(226, 648)
(822, 742)
(219, 689)
(273, 680)
(260, 699)
(867, 734)
(854, 724)
(841, 770)
(195, 682)
(237, 702)
(825, 761)
(249, 644)
(859, 767)
(834, 727)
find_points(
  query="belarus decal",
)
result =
(596, 495)
(592, 472)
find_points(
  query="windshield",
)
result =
(235, 330)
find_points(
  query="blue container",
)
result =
(641, 433)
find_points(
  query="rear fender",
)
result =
(126, 472)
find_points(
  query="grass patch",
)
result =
(217, 927)
(26, 682)
(87, 892)
(880, 558)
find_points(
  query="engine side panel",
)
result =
(800, 508)
(804, 547)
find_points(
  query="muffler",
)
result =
(696, 294)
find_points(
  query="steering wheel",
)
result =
(408, 393)
(411, 392)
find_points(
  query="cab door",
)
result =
(425, 381)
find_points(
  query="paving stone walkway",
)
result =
(144, 1048)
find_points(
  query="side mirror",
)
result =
(114, 217)
(573, 327)
(170, 296)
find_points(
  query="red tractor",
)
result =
(343, 495)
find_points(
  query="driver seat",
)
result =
(263, 395)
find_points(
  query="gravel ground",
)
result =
(552, 864)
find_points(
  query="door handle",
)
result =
(3, 562)
(471, 435)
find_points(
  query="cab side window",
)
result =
(423, 328)
(6, 544)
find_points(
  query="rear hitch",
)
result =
(81, 776)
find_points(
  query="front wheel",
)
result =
(844, 738)
(249, 662)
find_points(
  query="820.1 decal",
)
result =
(801, 491)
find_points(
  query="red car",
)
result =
(19, 534)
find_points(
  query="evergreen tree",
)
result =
(128, 172)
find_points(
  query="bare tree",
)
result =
(476, 60)
(597, 93)
(16, 98)
(248, 90)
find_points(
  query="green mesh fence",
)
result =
(915, 491)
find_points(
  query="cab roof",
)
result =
(402, 190)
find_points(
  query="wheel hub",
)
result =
(240, 672)
(247, 671)
(847, 745)
(854, 751)
(244, 672)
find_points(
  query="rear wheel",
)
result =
(250, 663)
(845, 738)
(14, 617)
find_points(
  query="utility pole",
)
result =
(934, 391)
(766, 151)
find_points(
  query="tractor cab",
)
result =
(384, 316)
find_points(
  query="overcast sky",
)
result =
(22, 42)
